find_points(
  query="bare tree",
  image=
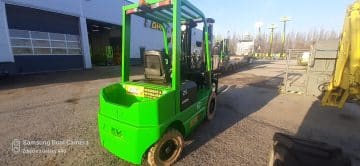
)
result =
(294, 40)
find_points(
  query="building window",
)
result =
(25, 42)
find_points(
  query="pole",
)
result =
(272, 28)
(258, 49)
(227, 43)
(285, 19)
(259, 41)
(258, 26)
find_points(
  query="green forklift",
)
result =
(146, 117)
(220, 54)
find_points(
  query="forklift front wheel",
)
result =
(210, 113)
(167, 150)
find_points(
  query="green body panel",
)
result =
(129, 125)
(125, 46)
(208, 58)
(126, 141)
(176, 52)
(134, 110)
(129, 121)
(195, 114)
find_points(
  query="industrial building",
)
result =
(41, 35)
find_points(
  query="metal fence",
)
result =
(295, 79)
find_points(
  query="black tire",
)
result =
(211, 108)
(167, 150)
(291, 151)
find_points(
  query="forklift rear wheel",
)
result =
(210, 113)
(167, 150)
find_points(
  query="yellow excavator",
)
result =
(345, 83)
(343, 87)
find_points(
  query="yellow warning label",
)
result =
(135, 90)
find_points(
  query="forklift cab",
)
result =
(194, 77)
(149, 114)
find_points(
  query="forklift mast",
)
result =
(224, 55)
(186, 57)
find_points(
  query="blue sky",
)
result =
(240, 16)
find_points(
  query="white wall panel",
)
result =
(5, 52)
(85, 43)
(100, 10)
(70, 7)
(108, 11)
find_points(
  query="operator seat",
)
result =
(155, 67)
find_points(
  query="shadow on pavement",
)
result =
(335, 127)
(22, 81)
(244, 67)
(97, 73)
(233, 105)
(30, 80)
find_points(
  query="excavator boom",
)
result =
(345, 84)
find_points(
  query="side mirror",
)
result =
(198, 44)
(192, 24)
(210, 20)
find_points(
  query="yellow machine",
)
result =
(345, 84)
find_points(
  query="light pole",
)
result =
(284, 19)
(227, 43)
(258, 26)
(272, 28)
